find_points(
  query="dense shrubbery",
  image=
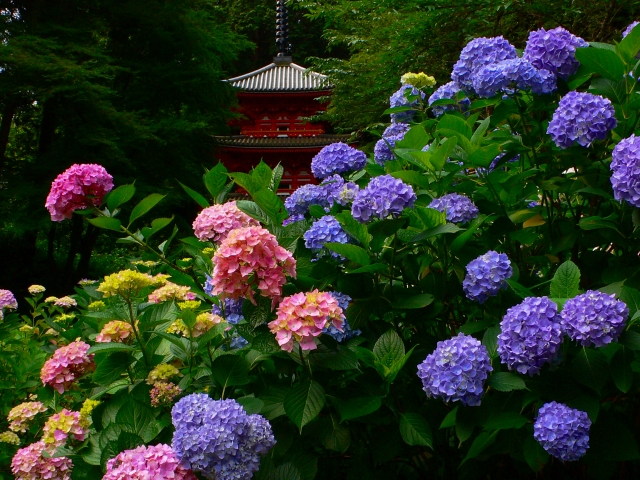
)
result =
(464, 306)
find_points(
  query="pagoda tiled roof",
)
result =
(281, 77)
(245, 141)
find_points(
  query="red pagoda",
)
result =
(274, 100)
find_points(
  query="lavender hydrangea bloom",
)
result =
(531, 335)
(554, 51)
(232, 310)
(508, 74)
(478, 53)
(217, 439)
(628, 30)
(337, 158)
(347, 332)
(382, 152)
(322, 231)
(398, 99)
(486, 276)
(581, 117)
(625, 168)
(237, 341)
(449, 91)
(383, 196)
(594, 318)
(458, 208)
(298, 203)
(456, 370)
(562, 431)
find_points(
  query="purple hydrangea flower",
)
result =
(625, 168)
(337, 158)
(628, 30)
(562, 431)
(458, 208)
(7, 300)
(531, 335)
(506, 75)
(486, 276)
(231, 310)
(478, 53)
(383, 196)
(494, 163)
(581, 117)
(297, 204)
(347, 332)
(382, 152)
(554, 51)
(533, 204)
(217, 439)
(449, 91)
(594, 318)
(456, 370)
(322, 231)
(237, 341)
(398, 99)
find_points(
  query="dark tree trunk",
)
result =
(5, 128)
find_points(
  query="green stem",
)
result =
(132, 321)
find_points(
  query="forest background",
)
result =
(136, 86)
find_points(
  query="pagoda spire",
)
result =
(282, 30)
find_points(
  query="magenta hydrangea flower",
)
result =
(7, 300)
(214, 223)
(147, 463)
(29, 464)
(66, 365)
(61, 426)
(78, 187)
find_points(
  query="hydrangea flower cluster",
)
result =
(562, 431)
(87, 407)
(163, 394)
(7, 300)
(486, 276)
(9, 437)
(29, 464)
(383, 150)
(115, 331)
(66, 365)
(531, 335)
(60, 426)
(146, 463)
(324, 230)
(398, 99)
(232, 310)
(217, 439)
(171, 291)
(337, 158)
(237, 341)
(458, 208)
(517, 72)
(214, 223)
(594, 318)
(35, 289)
(625, 168)
(251, 256)
(628, 30)
(20, 415)
(77, 188)
(162, 373)
(204, 322)
(383, 196)
(478, 53)
(418, 80)
(303, 316)
(581, 117)
(554, 51)
(127, 283)
(347, 332)
(341, 192)
(298, 203)
(448, 91)
(456, 370)
(66, 302)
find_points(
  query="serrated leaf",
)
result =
(604, 62)
(108, 223)
(357, 407)
(430, 217)
(354, 228)
(435, 231)
(504, 421)
(144, 206)
(215, 180)
(304, 402)
(352, 252)
(156, 225)
(521, 291)
(481, 443)
(120, 196)
(286, 471)
(629, 47)
(534, 454)
(630, 340)
(110, 348)
(621, 369)
(454, 123)
(335, 436)
(413, 301)
(389, 348)
(270, 204)
(229, 370)
(253, 210)
(506, 382)
(590, 368)
(251, 405)
(566, 281)
(110, 367)
(449, 420)
(415, 430)
(441, 154)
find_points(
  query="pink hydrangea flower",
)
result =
(164, 393)
(147, 463)
(61, 426)
(214, 223)
(66, 366)
(20, 416)
(115, 331)
(29, 464)
(247, 257)
(171, 291)
(66, 302)
(303, 316)
(7, 300)
(78, 187)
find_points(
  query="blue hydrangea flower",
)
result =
(554, 51)
(231, 310)
(347, 332)
(625, 168)
(383, 150)
(486, 276)
(217, 439)
(458, 208)
(531, 335)
(208, 285)
(456, 370)
(237, 341)
(449, 91)
(398, 99)
(324, 230)
(582, 118)
(533, 204)
(506, 75)
(628, 30)
(594, 318)
(494, 163)
(337, 158)
(383, 196)
(297, 204)
(478, 53)
(562, 431)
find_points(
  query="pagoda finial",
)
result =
(282, 29)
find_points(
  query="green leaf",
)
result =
(357, 407)
(144, 206)
(273, 399)
(257, 315)
(335, 436)
(449, 420)
(566, 281)
(136, 415)
(416, 138)
(481, 443)
(215, 180)
(602, 61)
(457, 124)
(373, 268)
(246, 181)
(286, 471)
(120, 196)
(253, 210)
(340, 359)
(505, 421)
(621, 369)
(199, 199)
(506, 382)
(462, 239)
(490, 340)
(251, 405)
(108, 223)
(477, 136)
(433, 232)
(389, 348)
(534, 454)
(430, 217)
(631, 297)
(483, 156)
(521, 291)
(110, 367)
(352, 252)
(414, 301)
(442, 152)
(590, 368)
(230, 370)
(415, 430)
(276, 177)
(383, 229)
(353, 227)
(110, 348)
(412, 177)
(156, 225)
(630, 340)
(304, 402)
(629, 47)
(270, 204)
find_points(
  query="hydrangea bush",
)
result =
(462, 302)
